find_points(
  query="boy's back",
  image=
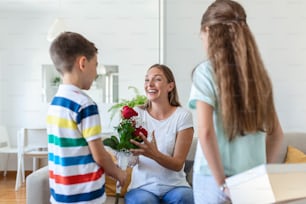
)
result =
(77, 159)
(73, 119)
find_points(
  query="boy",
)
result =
(77, 159)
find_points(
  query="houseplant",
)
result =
(138, 99)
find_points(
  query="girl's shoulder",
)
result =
(204, 66)
(203, 72)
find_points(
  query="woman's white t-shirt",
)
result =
(148, 174)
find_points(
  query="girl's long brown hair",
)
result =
(244, 87)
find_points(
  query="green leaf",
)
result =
(112, 142)
(135, 101)
(115, 139)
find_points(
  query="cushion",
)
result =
(295, 155)
(110, 184)
(189, 170)
(37, 186)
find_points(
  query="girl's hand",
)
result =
(227, 193)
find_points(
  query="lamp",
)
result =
(56, 28)
(58, 25)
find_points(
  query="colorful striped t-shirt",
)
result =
(72, 121)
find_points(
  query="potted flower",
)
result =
(56, 81)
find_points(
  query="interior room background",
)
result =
(134, 34)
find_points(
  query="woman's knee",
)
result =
(179, 195)
(139, 196)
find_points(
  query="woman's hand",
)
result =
(174, 162)
(148, 149)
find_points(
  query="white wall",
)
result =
(125, 32)
(280, 30)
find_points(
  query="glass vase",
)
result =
(126, 159)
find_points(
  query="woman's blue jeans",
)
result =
(178, 195)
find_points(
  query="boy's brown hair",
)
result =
(67, 47)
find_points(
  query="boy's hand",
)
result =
(122, 177)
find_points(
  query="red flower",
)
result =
(128, 112)
(128, 128)
(140, 130)
(137, 132)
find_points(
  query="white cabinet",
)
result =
(50, 82)
(103, 90)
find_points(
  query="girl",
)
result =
(238, 127)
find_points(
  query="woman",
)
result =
(238, 127)
(159, 177)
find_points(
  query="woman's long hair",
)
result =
(244, 87)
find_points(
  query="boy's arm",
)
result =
(103, 159)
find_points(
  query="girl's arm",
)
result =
(274, 142)
(208, 141)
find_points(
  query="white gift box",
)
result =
(269, 183)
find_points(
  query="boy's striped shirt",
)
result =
(72, 121)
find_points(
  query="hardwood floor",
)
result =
(8, 195)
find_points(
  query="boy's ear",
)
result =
(81, 62)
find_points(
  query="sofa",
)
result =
(37, 183)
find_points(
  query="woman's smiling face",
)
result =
(156, 84)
